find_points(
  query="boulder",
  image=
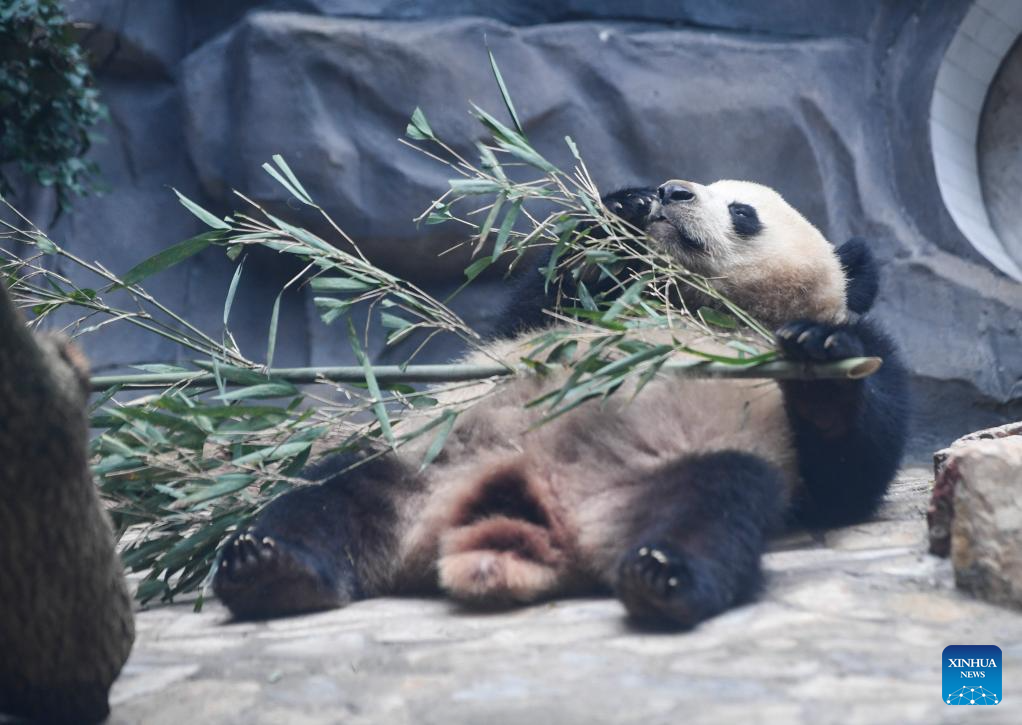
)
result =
(986, 529)
(946, 474)
(335, 95)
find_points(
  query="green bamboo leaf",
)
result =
(627, 298)
(44, 244)
(476, 268)
(505, 229)
(446, 423)
(484, 230)
(393, 322)
(379, 407)
(232, 290)
(225, 485)
(338, 284)
(235, 374)
(743, 347)
(718, 319)
(488, 161)
(573, 147)
(170, 256)
(331, 309)
(302, 194)
(206, 217)
(418, 128)
(159, 368)
(264, 390)
(271, 344)
(273, 453)
(474, 186)
(504, 93)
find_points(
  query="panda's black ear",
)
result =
(860, 268)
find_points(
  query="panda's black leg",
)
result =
(850, 434)
(697, 547)
(316, 547)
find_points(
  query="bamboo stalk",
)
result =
(851, 369)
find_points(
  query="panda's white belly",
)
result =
(588, 468)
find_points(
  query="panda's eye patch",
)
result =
(744, 219)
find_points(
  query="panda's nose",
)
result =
(675, 191)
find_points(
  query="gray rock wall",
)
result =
(825, 100)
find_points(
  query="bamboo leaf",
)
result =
(504, 93)
(338, 284)
(263, 390)
(170, 256)
(713, 317)
(226, 484)
(206, 217)
(44, 244)
(271, 344)
(476, 268)
(418, 128)
(273, 453)
(505, 229)
(446, 423)
(232, 290)
(474, 186)
(379, 407)
(294, 185)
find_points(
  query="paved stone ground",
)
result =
(849, 630)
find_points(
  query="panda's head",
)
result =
(761, 253)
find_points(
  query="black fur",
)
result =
(744, 220)
(307, 550)
(863, 275)
(850, 434)
(706, 528)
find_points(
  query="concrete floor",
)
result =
(850, 629)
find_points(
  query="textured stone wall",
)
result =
(826, 100)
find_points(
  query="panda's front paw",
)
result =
(632, 205)
(656, 586)
(810, 341)
(259, 576)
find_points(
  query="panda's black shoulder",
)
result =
(528, 296)
(529, 293)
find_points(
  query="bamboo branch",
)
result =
(851, 369)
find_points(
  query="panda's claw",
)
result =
(655, 585)
(811, 341)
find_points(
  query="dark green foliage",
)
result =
(48, 101)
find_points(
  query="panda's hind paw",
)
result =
(260, 576)
(811, 341)
(657, 587)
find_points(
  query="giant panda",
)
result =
(666, 498)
